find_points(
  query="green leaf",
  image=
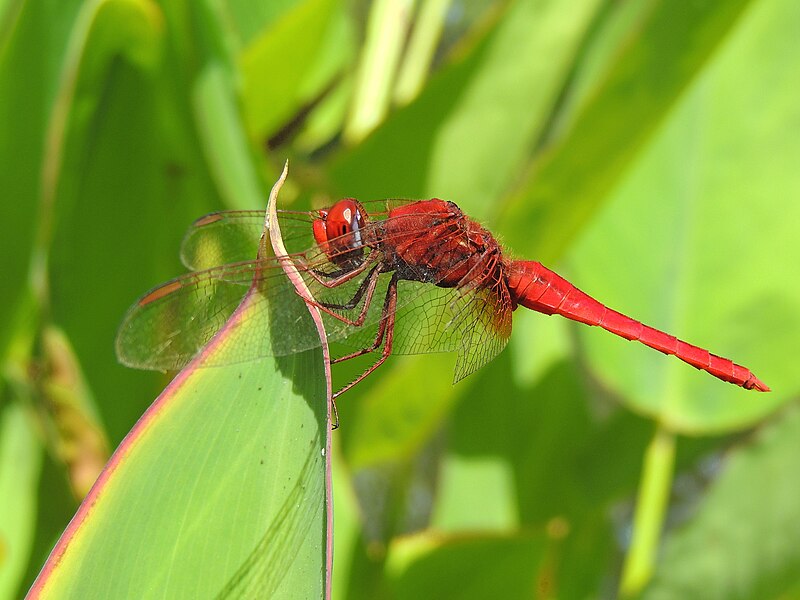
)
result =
(132, 179)
(276, 65)
(469, 132)
(232, 458)
(219, 489)
(20, 467)
(744, 541)
(476, 567)
(691, 239)
(573, 177)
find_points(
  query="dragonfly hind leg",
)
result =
(385, 336)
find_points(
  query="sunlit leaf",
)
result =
(574, 175)
(233, 459)
(703, 213)
(20, 466)
(476, 567)
(471, 129)
(229, 462)
(277, 63)
(744, 541)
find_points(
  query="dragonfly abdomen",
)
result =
(536, 287)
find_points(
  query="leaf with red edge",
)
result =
(219, 490)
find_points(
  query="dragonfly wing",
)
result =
(169, 325)
(484, 324)
(475, 323)
(222, 238)
(232, 236)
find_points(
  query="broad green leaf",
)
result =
(247, 19)
(385, 429)
(20, 466)
(705, 217)
(468, 133)
(472, 567)
(275, 66)
(574, 175)
(744, 541)
(132, 180)
(218, 490)
(499, 95)
(232, 459)
(32, 42)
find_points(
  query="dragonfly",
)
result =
(392, 276)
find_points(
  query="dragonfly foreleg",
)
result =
(336, 278)
(368, 283)
(366, 289)
(384, 335)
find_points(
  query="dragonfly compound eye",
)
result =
(339, 231)
(345, 220)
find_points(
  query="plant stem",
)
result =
(651, 506)
(386, 31)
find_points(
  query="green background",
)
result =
(646, 150)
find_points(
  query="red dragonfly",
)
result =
(423, 263)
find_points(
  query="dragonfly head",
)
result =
(338, 231)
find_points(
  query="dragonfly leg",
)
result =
(371, 348)
(336, 278)
(367, 286)
(366, 289)
(385, 330)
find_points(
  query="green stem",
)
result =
(419, 56)
(386, 31)
(651, 506)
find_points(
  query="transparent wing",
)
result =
(475, 323)
(221, 238)
(171, 323)
(484, 325)
(232, 236)
(166, 327)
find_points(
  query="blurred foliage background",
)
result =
(646, 149)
